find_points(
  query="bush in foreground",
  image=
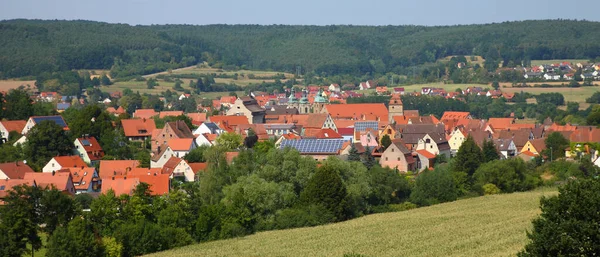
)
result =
(569, 224)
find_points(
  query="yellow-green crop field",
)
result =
(484, 226)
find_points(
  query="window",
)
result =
(392, 149)
(427, 141)
(53, 165)
(431, 147)
(386, 158)
(398, 158)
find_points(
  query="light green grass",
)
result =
(578, 94)
(483, 226)
(574, 61)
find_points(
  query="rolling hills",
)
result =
(483, 226)
(30, 47)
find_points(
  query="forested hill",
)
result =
(29, 47)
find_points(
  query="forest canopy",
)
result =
(30, 47)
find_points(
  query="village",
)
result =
(315, 120)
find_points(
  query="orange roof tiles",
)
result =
(426, 154)
(180, 144)
(455, 115)
(229, 156)
(82, 177)
(138, 127)
(144, 113)
(14, 125)
(321, 133)
(344, 123)
(110, 168)
(169, 113)
(8, 185)
(229, 120)
(198, 166)
(15, 170)
(60, 179)
(357, 111)
(70, 161)
(197, 118)
(120, 186)
(501, 123)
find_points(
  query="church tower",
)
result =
(304, 105)
(395, 108)
(320, 101)
(292, 100)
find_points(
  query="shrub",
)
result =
(568, 225)
(434, 187)
(490, 189)
(508, 175)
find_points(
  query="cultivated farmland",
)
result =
(483, 226)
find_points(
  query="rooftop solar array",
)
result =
(85, 142)
(56, 119)
(364, 125)
(314, 145)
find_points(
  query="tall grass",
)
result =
(484, 226)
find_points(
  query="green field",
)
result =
(578, 94)
(483, 226)
(243, 75)
(540, 62)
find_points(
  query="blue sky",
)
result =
(309, 12)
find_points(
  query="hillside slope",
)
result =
(30, 47)
(483, 226)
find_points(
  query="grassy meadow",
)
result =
(484, 226)
(6, 85)
(540, 62)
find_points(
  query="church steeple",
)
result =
(395, 107)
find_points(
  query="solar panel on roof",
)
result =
(86, 142)
(364, 125)
(314, 145)
(56, 119)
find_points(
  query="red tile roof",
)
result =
(70, 161)
(357, 111)
(120, 186)
(15, 170)
(321, 133)
(14, 125)
(60, 179)
(170, 113)
(144, 113)
(230, 156)
(501, 123)
(138, 127)
(426, 154)
(93, 149)
(110, 168)
(197, 118)
(455, 115)
(82, 177)
(198, 166)
(8, 185)
(229, 120)
(180, 144)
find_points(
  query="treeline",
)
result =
(31, 47)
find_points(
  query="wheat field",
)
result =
(483, 226)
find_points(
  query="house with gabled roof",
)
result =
(178, 168)
(7, 185)
(197, 118)
(165, 114)
(34, 120)
(367, 111)
(319, 149)
(208, 128)
(108, 168)
(14, 170)
(88, 149)
(61, 162)
(397, 156)
(61, 180)
(425, 159)
(171, 130)
(138, 129)
(8, 126)
(248, 107)
(144, 113)
(535, 146)
(451, 115)
(85, 179)
(228, 123)
(115, 112)
(506, 147)
(434, 143)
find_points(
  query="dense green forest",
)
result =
(30, 47)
